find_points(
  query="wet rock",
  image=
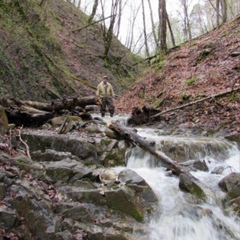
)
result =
(219, 169)
(235, 205)
(36, 214)
(120, 198)
(141, 189)
(111, 152)
(8, 218)
(66, 235)
(50, 155)
(231, 185)
(76, 146)
(2, 191)
(192, 185)
(128, 176)
(195, 165)
(66, 170)
(234, 137)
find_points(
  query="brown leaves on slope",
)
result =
(203, 67)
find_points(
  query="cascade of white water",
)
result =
(180, 215)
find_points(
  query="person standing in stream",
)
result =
(106, 93)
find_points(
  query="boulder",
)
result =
(8, 218)
(231, 185)
(37, 215)
(66, 170)
(191, 184)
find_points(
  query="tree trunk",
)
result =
(153, 26)
(29, 113)
(145, 30)
(171, 32)
(94, 10)
(224, 10)
(163, 25)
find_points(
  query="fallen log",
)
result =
(133, 137)
(195, 187)
(55, 105)
(33, 113)
(194, 102)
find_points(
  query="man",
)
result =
(106, 93)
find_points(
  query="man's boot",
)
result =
(111, 114)
(102, 114)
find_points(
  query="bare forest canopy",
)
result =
(145, 26)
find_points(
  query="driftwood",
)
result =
(133, 137)
(32, 113)
(194, 102)
(167, 162)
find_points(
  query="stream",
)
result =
(180, 216)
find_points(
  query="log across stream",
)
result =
(180, 216)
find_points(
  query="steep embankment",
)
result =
(44, 54)
(206, 66)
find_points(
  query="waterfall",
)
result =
(181, 216)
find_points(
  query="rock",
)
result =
(36, 214)
(76, 146)
(66, 170)
(66, 235)
(234, 138)
(128, 176)
(188, 183)
(195, 165)
(50, 155)
(3, 121)
(120, 199)
(2, 191)
(231, 185)
(8, 218)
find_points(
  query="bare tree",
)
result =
(220, 10)
(130, 33)
(153, 25)
(79, 4)
(224, 10)
(186, 23)
(163, 25)
(145, 30)
(94, 10)
(108, 31)
(171, 32)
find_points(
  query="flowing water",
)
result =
(181, 216)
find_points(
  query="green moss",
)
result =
(225, 33)
(204, 54)
(192, 44)
(186, 96)
(150, 99)
(191, 80)
(158, 103)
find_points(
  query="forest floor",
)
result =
(206, 66)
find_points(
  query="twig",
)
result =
(194, 102)
(24, 143)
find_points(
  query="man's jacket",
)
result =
(103, 91)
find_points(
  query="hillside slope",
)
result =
(44, 55)
(206, 66)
